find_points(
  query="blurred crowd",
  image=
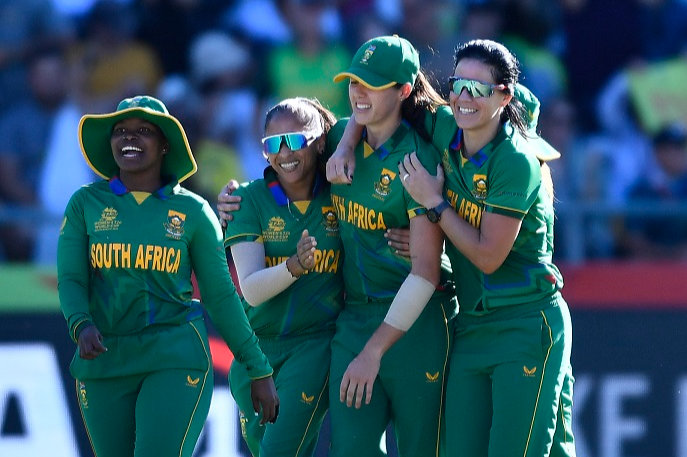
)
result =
(609, 75)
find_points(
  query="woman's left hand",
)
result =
(425, 189)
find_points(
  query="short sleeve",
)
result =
(514, 185)
(246, 224)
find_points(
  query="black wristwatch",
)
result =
(434, 214)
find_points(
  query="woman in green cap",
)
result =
(128, 246)
(390, 350)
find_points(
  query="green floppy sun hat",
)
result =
(95, 131)
(383, 62)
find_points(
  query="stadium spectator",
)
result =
(660, 236)
(586, 23)
(306, 65)
(27, 27)
(662, 28)
(221, 70)
(432, 27)
(26, 131)
(171, 26)
(114, 64)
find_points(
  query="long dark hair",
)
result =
(505, 69)
(422, 99)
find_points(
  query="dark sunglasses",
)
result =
(475, 88)
(294, 141)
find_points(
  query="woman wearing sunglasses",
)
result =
(286, 247)
(510, 385)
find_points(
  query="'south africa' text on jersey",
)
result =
(148, 257)
(358, 215)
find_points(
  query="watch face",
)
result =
(432, 215)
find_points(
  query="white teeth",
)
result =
(133, 149)
(467, 110)
(289, 166)
(363, 106)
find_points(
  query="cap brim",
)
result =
(95, 131)
(366, 78)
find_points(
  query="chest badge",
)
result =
(479, 187)
(175, 224)
(382, 187)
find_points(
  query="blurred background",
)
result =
(611, 76)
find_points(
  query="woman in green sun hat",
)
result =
(128, 246)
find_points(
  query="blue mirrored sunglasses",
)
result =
(475, 88)
(294, 141)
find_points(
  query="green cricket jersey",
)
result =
(311, 304)
(504, 177)
(374, 202)
(125, 261)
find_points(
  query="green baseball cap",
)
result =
(545, 151)
(95, 131)
(383, 62)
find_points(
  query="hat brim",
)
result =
(366, 78)
(95, 131)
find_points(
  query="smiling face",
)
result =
(378, 110)
(138, 147)
(477, 114)
(293, 167)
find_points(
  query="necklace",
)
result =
(288, 206)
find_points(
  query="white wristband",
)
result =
(409, 302)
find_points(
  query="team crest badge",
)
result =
(479, 187)
(368, 54)
(175, 224)
(382, 187)
(329, 220)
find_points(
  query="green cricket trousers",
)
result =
(408, 391)
(301, 375)
(509, 390)
(157, 397)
